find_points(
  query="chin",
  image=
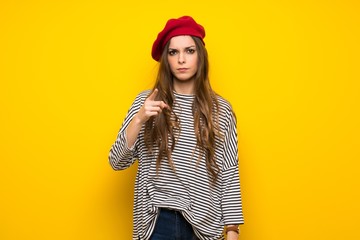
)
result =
(184, 78)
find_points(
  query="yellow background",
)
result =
(69, 71)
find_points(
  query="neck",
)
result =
(186, 87)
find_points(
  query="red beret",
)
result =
(174, 27)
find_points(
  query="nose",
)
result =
(181, 58)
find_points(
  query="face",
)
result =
(183, 58)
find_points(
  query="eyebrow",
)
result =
(192, 46)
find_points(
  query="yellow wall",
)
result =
(69, 71)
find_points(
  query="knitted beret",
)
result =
(185, 25)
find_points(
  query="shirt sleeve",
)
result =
(231, 202)
(122, 156)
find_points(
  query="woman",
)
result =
(184, 137)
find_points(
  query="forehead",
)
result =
(182, 41)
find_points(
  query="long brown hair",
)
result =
(161, 131)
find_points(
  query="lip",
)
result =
(182, 69)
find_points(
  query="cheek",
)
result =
(194, 59)
(195, 62)
(171, 62)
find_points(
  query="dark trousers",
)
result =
(171, 225)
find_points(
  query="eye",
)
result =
(172, 52)
(190, 50)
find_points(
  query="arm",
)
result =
(123, 151)
(231, 194)
(232, 232)
(149, 109)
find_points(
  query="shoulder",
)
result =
(144, 94)
(140, 97)
(224, 106)
(227, 118)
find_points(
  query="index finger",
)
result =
(153, 94)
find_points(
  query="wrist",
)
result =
(232, 236)
(137, 120)
(232, 228)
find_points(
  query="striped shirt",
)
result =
(188, 189)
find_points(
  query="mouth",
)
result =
(182, 69)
